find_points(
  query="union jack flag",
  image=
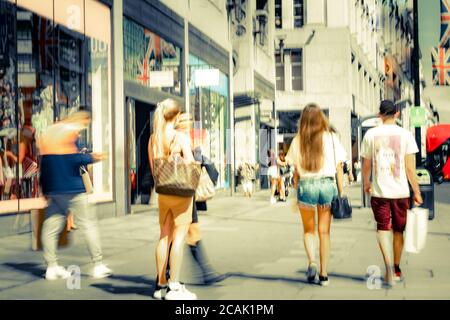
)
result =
(441, 66)
(445, 23)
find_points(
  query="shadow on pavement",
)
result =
(266, 277)
(109, 288)
(146, 289)
(135, 279)
(32, 268)
(341, 275)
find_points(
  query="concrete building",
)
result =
(253, 31)
(345, 55)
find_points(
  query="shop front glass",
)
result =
(145, 53)
(209, 106)
(55, 59)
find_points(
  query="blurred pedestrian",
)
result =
(197, 247)
(388, 153)
(247, 176)
(175, 212)
(273, 174)
(317, 156)
(63, 187)
(283, 170)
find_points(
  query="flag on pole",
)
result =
(445, 23)
(440, 58)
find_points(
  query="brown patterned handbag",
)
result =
(174, 176)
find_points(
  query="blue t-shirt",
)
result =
(60, 174)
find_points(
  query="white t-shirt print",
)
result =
(330, 160)
(387, 146)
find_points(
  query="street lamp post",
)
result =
(416, 71)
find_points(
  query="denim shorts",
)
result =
(316, 191)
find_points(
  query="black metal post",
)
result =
(416, 72)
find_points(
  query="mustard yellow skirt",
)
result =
(177, 209)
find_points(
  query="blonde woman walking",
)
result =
(175, 212)
(317, 156)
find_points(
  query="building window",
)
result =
(60, 68)
(261, 4)
(299, 18)
(146, 53)
(279, 72)
(25, 64)
(278, 14)
(297, 70)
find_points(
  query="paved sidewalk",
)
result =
(257, 244)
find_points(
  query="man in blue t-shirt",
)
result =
(63, 186)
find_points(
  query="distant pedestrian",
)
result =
(317, 156)
(63, 186)
(388, 153)
(247, 176)
(283, 170)
(273, 174)
(175, 212)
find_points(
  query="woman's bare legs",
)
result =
(162, 250)
(176, 252)
(274, 182)
(324, 214)
(282, 189)
(309, 239)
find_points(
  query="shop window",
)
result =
(145, 52)
(63, 65)
(297, 69)
(299, 13)
(279, 72)
(278, 14)
(209, 106)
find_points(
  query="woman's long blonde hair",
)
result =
(166, 111)
(312, 125)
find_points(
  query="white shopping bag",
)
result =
(416, 229)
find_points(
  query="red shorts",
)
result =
(390, 213)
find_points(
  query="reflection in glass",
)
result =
(210, 108)
(9, 118)
(61, 68)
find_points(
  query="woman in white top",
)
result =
(317, 156)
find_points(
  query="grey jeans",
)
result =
(55, 219)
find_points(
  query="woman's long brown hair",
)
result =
(313, 124)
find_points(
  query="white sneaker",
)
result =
(56, 272)
(101, 271)
(273, 200)
(160, 292)
(178, 291)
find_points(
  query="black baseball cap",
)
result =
(388, 108)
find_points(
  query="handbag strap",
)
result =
(334, 158)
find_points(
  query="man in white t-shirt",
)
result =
(388, 153)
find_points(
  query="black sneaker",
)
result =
(323, 280)
(311, 273)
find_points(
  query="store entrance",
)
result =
(140, 127)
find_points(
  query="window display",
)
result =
(63, 65)
(209, 106)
